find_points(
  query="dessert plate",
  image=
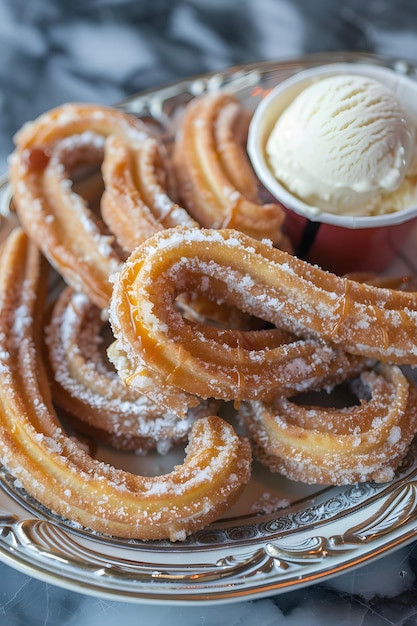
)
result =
(281, 535)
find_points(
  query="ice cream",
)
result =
(345, 145)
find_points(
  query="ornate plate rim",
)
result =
(35, 542)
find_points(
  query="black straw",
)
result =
(308, 237)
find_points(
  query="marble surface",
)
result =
(103, 50)
(383, 593)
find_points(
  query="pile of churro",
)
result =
(180, 294)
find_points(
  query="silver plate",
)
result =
(282, 535)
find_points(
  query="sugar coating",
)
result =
(74, 342)
(337, 446)
(90, 492)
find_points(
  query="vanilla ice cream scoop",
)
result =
(344, 145)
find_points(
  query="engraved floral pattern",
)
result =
(311, 539)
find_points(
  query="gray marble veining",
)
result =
(54, 51)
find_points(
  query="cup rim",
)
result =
(259, 130)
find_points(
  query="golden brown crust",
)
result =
(62, 476)
(324, 445)
(184, 308)
(93, 396)
(60, 222)
(136, 201)
(161, 353)
(364, 320)
(399, 282)
(216, 182)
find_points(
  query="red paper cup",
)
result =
(338, 243)
(341, 250)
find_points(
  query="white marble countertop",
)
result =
(103, 50)
(384, 592)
